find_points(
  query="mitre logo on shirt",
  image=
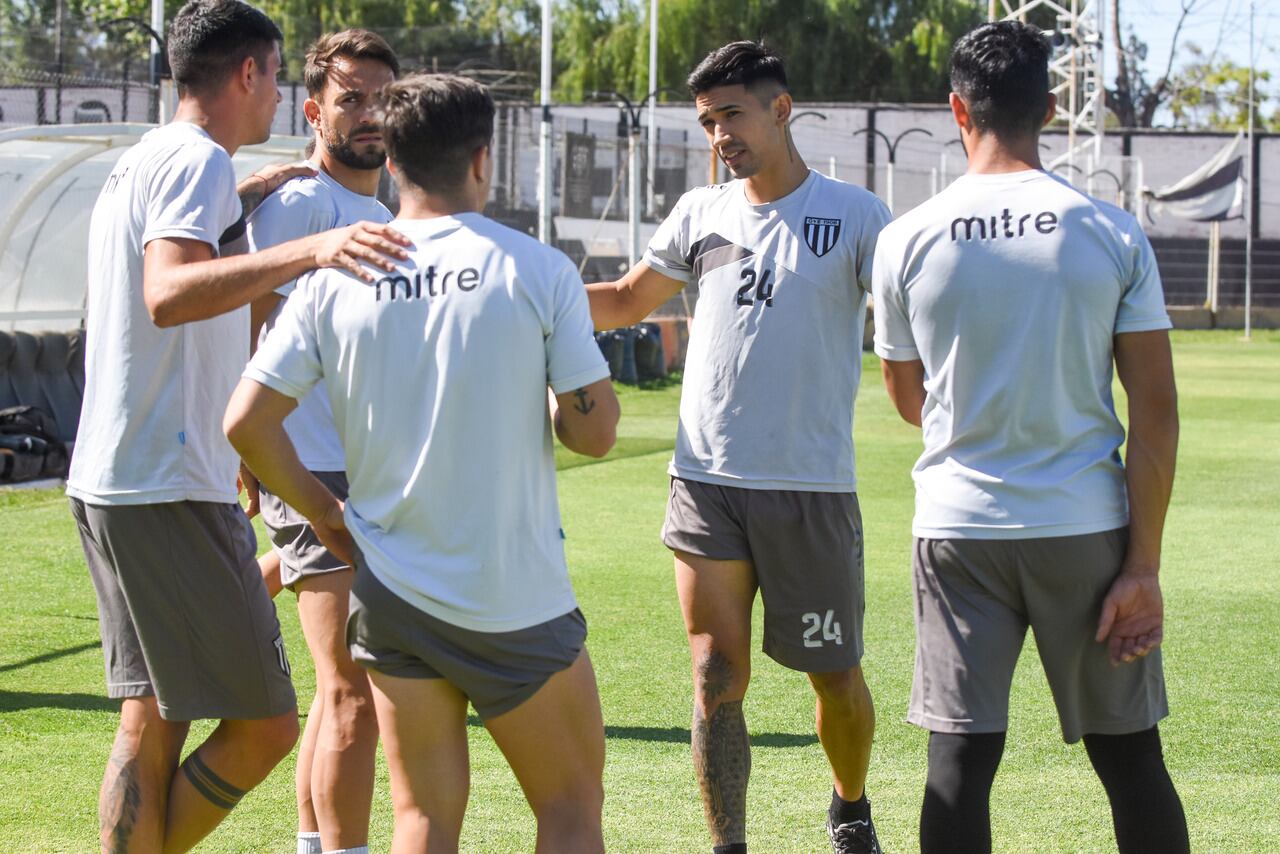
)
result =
(432, 283)
(821, 234)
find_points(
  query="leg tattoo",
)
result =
(721, 753)
(215, 790)
(714, 675)
(120, 803)
(722, 761)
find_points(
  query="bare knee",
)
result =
(139, 719)
(572, 811)
(270, 738)
(719, 677)
(143, 734)
(842, 689)
(349, 711)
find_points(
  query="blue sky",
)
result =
(1213, 24)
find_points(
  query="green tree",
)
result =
(1213, 94)
(835, 49)
(600, 49)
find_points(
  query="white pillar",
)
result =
(633, 194)
(831, 166)
(166, 95)
(1215, 243)
(888, 184)
(545, 159)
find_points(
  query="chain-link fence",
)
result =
(88, 69)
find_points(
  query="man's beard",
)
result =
(343, 150)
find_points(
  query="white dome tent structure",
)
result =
(50, 178)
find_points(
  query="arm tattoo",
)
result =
(584, 404)
(254, 191)
(722, 762)
(120, 802)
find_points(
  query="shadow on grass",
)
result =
(48, 656)
(680, 735)
(17, 701)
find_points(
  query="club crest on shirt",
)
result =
(821, 234)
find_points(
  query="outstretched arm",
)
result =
(630, 299)
(183, 282)
(1132, 618)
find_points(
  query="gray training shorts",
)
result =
(974, 600)
(497, 671)
(806, 548)
(294, 540)
(182, 609)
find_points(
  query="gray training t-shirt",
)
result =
(1010, 288)
(775, 349)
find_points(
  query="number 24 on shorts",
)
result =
(827, 624)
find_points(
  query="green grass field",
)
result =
(1221, 577)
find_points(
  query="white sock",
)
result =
(309, 843)
(362, 849)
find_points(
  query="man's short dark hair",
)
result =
(744, 63)
(432, 124)
(1001, 70)
(348, 44)
(210, 39)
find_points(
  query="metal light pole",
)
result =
(892, 145)
(1248, 205)
(157, 39)
(156, 75)
(831, 162)
(166, 95)
(633, 194)
(57, 48)
(632, 112)
(653, 110)
(544, 133)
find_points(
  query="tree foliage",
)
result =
(1214, 93)
(835, 49)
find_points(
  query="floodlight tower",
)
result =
(1076, 73)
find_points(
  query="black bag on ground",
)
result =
(29, 445)
(651, 364)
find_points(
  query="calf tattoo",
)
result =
(722, 762)
(721, 752)
(584, 402)
(120, 802)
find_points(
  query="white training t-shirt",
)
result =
(775, 347)
(151, 420)
(302, 207)
(438, 378)
(1010, 289)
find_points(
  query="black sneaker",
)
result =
(854, 837)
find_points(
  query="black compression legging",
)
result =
(1145, 807)
(956, 816)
